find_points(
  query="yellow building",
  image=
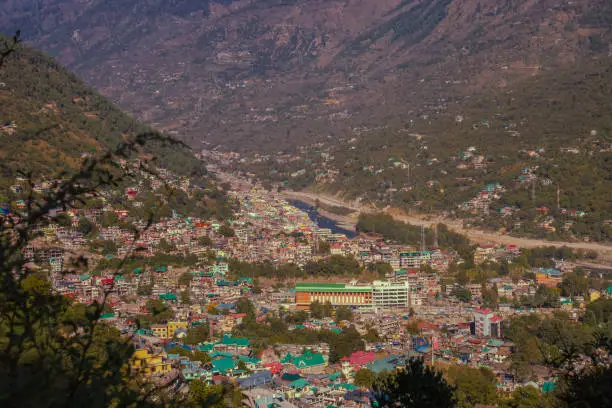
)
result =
(145, 363)
(160, 331)
(173, 326)
(594, 295)
(166, 331)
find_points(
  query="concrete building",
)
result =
(486, 324)
(413, 259)
(174, 326)
(381, 295)
(482, 322)
(548, 277)
(145, 363)
(338, 294)
(390, 295)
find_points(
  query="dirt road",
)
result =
(476, 235)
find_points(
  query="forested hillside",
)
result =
(50, 119)
(533, 158)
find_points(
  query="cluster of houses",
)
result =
(302, 375)
(482, 202)
(412, 311)
(432, 326)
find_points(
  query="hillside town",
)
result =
(306, 203)
(190, 292)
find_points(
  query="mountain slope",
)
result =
(533, 158)
(50, 119)
(259, 73)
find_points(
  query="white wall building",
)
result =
(389, 295)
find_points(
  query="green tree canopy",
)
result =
(226, 231)
(185, 279)
(85, 226)
(415, 386)
(344, 344)
(364, 378)
(344, 313)
(473, 386)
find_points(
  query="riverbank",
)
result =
(475, 235)
(322, 219)
(347, 222)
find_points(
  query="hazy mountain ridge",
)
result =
(270, 70)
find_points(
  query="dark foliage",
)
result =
(416, 386)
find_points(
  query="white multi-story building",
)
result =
(414, 259)
(389, 295)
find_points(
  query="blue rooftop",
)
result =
(550, 271)
(256, 379)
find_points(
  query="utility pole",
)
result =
(558, 191)
(436, 235)
(433, 336)
(533, 192)
(422, 240)
(409, 185)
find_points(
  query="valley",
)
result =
(306, 203)
(459, 96)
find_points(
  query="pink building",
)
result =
(360, 358)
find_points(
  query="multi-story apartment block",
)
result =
(389, 295)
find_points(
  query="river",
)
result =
(321, 221)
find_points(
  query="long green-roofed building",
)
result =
(379, 295)
(338, 294)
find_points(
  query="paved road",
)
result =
(474, 234)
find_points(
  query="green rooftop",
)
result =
(287, 359)
(548, 386)
(224, 354)
(208, 347)
(167, 296)
(235, 341)
(309, 359)
(330, 287)
(299, 384)
(223, 365)
(334, 376)
(346, 386)
(320, 285)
